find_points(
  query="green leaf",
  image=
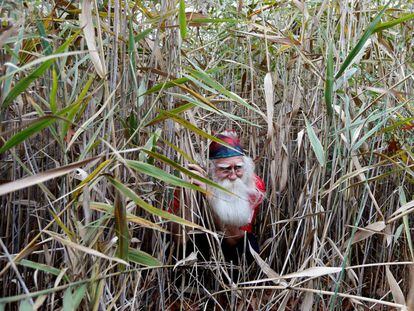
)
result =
(394, 22)
(131, 45)
(162, 117)
(142, 258)
(158, 173)
(78, 296)
(195, 129)
(25, 305)
(204, 77)
(184, 170)
(215, 20)
(360, 44)
(71, 301)
(182, 20)
(47, 47)
(121, 229)
(38, 125)
(142, 35)
(398, 232)
(329, 83)
(397, 124)
(168, 84)
(213, 109)
(14, 60)
(369, 134)
(201, 84)
(151, 209)
(109, 209)
(315, 143)
(179, 151)
(165, 85)
(24, 83)
(68, 300)
(53, 92)
(150, 144)
(71, 113)
(42, 267)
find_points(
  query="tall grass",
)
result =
(104, 103)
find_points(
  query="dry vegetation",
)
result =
(321, 93)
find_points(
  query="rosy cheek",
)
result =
(219, 174)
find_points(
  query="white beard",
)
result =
(232, 209)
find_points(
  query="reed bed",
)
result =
(104, 103)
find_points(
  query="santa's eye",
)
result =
(228, 169)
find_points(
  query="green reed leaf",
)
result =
(24, 83)
(182, 20)
(160, 174)
(142, 258)
(394, 22)
(360, 44)
(149, 208)
(329, 83)
(315, 143)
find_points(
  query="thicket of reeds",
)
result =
(104, 103)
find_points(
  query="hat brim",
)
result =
(227, 153)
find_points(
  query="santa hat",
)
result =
(218, 151)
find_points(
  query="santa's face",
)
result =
(233, 174)
(229, 168)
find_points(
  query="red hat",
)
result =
(218, 151)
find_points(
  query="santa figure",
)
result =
(234, 211)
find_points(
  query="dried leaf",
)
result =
(266, 268)
(301, 133)
(189, 259)
(86, 21)
(403, 208)
(280, 40)
(368, 231)
(313, 272)
(84, 249)
(410, 295)
(269, 94)
(329, 83)
(42, 177)
(395, 288)
(6, 34)
(39, 302)
(284, 172)
(307, 303)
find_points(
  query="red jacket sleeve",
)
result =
(174, 206)
(260, 185)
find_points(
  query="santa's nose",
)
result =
(232, 176)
